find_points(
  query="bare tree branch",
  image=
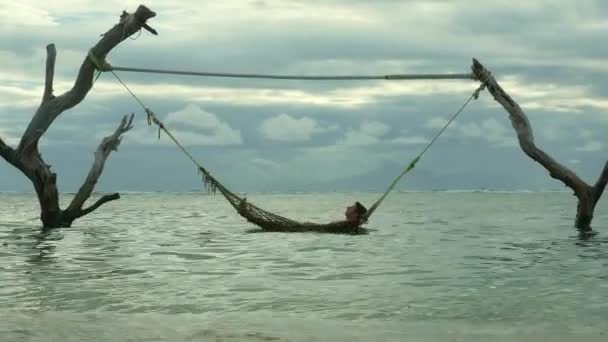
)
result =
(107, 145)
(587, 195)
(9, 154)
(104, 199)
(50, 110)
(26, 156)
(522, 127)
(6, 151)
(600, 185)
(51, 54)
(129, 24)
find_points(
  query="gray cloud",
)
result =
(284, 127)
(295, 135)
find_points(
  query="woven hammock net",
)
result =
(267, 220)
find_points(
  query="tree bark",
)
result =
(600, 185)
(51, 109)
(107, 145)
(587, 195)
(26, 156)
(51, 53)
(8, 153)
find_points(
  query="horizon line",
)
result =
(300, 191)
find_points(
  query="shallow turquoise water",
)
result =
(179, 267)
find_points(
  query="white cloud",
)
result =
(490, 130)
(348, 96)
(413, 140)
(354, 137)
(374, 128)
(331, 163)
(573, 99)
(284, 127)
(265, 163)
(437, 123)
(17, 97)
(9, 137)
(204, 128)
(316, 37)
(551, 97)
(568, 105)
(585, 133)
(405, 139)
(553, 132)
(21, 13)
(592, 146)
(369, 133)
(373, 20)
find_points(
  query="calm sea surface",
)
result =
(185, 267)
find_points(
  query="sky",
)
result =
(286, 136)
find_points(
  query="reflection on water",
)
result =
(184, 267)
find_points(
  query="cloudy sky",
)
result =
(267, 135)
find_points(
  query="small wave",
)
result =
(186, 256)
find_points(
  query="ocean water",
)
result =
(185, 267)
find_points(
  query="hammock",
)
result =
(269, 221)
(273, 222)
(260, 217)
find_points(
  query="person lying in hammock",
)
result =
(354, 219)
(354, 213)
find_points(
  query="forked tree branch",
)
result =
(26, 156)
(9, 154)
(107, 145)
(130, 23)
(586, 194)
(6, 151)
(51, 54)
(102, 200)
(522, 127)
(600, 185)
(52, 107)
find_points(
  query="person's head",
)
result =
(355, 212)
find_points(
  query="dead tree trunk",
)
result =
(587, 195)
(26, 157)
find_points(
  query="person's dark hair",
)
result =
(361, 209)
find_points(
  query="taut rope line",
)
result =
(105, 66)
(300, 77)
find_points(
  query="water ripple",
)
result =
(171, 262)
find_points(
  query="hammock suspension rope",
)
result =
(249, 211)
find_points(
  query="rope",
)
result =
(151, 117)
(102, 65)
(299, 77)
(412, 164)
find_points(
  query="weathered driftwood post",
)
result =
(26, 156)
(587, 195)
